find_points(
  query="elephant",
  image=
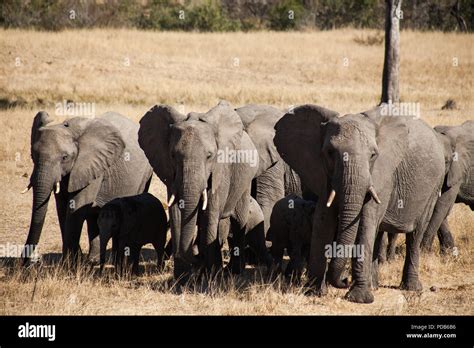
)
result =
(132, 222)
(275, 179)
(372, 163)
(208, 162)
(458, 185)
(87, 162)
(291, 224)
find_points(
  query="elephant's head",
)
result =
(183, 151)
(339, 157)
(70, 156)
(458, 143)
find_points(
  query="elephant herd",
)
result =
(322, 186)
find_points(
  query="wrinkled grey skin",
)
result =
(132, 222)
(254, 239)
(291, 226)
(274, 178)
(94, 160)
(354, 155)
(183, 151)
(458, 186)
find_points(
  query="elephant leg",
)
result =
(135, 258)
(237, 250)
(160, 253)
(379, 244)
(94, 240)
(392, 246)
(255, 239)
(382, 239)
(270, 188)
(446, 241)
(324, 231)
(61, 208)
(72, 234)
(441, 210)
(410, 280)
(295, 266)
(168, 249)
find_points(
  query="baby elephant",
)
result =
(132, 222)
(291, 224)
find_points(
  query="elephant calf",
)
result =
(290, 228)
(132, 222)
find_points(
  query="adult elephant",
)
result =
(274, 179)
(458, 185)
(199, 158)
(86, 162)
(372, 164)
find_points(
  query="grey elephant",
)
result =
(291, 225)
(207, 161)
(86, 162)
(132, 222)
(274, 179)
(458, 186)
(254, 241)
(366, 169)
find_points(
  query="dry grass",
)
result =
(195, 71)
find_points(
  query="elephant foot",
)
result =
(412, 284)
(359, 295)
(318, 290)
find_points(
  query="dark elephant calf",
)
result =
(132, 222)
(290, 228)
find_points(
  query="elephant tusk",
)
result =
(27, 188)
(374, 194)
(171, 200)
(56, 191)
(331, 198)
(204, 197)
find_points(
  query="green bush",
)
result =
(286, 15)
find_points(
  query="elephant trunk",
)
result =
(351, 199)
(184, 213)
(43, 183)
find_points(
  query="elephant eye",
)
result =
(65, 157)
(209, 154)
(374, 155)
(66, 124)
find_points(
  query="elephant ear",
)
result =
(154, 139)
(228, 129)
(462, 144)
(392, 142)
(299, 138)
(100, 146)
(41, 119)
(259, 122)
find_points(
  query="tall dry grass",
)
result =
(194, 71)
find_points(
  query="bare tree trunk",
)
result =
(391, 65)
(456, 12)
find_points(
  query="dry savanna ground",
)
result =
(129, 71)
